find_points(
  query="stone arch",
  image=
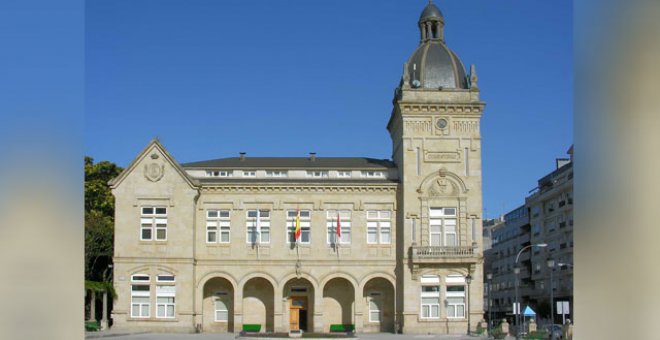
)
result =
(260, 274)
(338, 300)
(387, 276)
(217, 273)
(443, 174)
(259, 300)
(352, 279)
(306, 276)
(218, 303)
(298, 293)
(378, 304)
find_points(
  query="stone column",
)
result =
(278, 310)
(104, 312)
(238, 309)
(92, 307)
(358, 306)
(318, 310)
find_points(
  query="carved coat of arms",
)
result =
(154, 171)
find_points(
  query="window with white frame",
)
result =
(153, 220)
(379, 227)
(217, 226)
(455, 301)
(343, 174)
(249, 173)
(430, 300)
(219, 173)
(277, 173)
(305, 226)
(375, 303)
(258, 226)
(373, 174)
(338, 219)
(221, 310)
(140, 296)
(442, 227)
(317, 173)
(165, 295)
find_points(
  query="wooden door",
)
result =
(294, 319)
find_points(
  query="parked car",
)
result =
(556, 330)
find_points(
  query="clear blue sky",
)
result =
(213, 78)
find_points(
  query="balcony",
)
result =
(434, 254)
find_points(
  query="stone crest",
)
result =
(154, 171)
(441, 187)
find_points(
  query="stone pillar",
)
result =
(92, 307)
(278, 309)
(104, 312)
(504, 326)
(358, 307)
(532, 326)
(238, 310)
(568, 330)
(318, 310)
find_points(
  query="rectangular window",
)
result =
(250, 173)
(430, 297)
(165, 278)
(455, 301)
(217, 226)
(379, 227)
(277, 173)
(219, 173)
(343, 174)
(153, 220)
(442, 227)
(221, 310)
(305, 226)
(373, 174)
(258, 226)
(344, 217)
(375, 302)
(165, 296)
(140, 304)
(536, 210)
(536, 229)
(317, 174)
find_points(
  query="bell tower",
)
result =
(436, 145)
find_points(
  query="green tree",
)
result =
(99, 218)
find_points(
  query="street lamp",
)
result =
(516, 270)
(468, 279)
(551, 265)
(489, 277)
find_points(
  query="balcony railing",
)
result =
(434, 252)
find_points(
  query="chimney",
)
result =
(242, 156)
(312, 156)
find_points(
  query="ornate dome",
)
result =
(433, 65)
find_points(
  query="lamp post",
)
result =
(516, 270)
(489, 277)
(551, 265)
(468, 279)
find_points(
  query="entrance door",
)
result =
(298, 313)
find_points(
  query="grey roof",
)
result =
(430, 11)
(436, 66)
(293, 163)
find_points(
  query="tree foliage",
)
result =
(99, 218)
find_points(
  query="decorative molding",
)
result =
(275, 188)
(476, 108)
(442, 157)
(465, 125)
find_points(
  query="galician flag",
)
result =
(297, 231)
(338, 227)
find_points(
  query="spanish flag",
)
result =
(297, 231)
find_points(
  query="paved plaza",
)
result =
(227, 336)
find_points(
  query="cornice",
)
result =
(446, 108)
(297, 187)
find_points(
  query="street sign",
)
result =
(563, 308)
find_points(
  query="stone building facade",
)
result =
(208, 246)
